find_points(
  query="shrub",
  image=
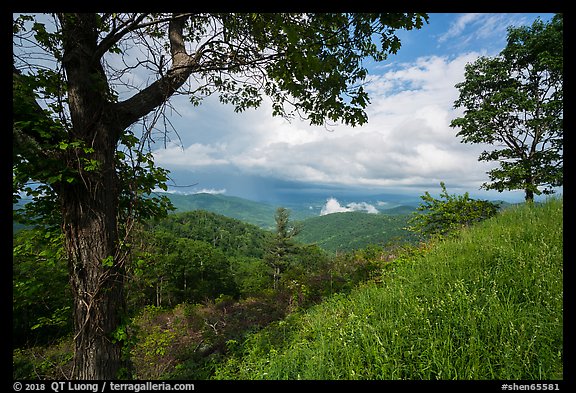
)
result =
(439, 217)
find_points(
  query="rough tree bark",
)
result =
(90, 205)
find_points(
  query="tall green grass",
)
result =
(486, 304)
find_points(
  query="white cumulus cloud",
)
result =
(407, 143)
(333, 206)
(210, 191)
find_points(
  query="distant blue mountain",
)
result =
(262, 213)
(257, 213)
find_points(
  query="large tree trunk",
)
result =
(90, 205)
(90, 202)
(96, 274)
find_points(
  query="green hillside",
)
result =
(233, 236)
(402, 209)
(353, 230)
(487, 304)
(242, 209)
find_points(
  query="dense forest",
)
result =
(350, 231)
(202, 302)
(192, 258)
(256, 213)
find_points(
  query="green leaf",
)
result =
(108, 261)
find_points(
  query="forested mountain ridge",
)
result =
(348, 231)
(333, 232)
(256, 213)
(233, 236)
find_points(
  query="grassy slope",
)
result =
(486, 305)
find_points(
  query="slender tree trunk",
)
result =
(528, 190)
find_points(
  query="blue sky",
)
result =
(407, 146)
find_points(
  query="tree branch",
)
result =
(183, 65)
(116, 35)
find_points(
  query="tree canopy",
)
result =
(515, 102)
